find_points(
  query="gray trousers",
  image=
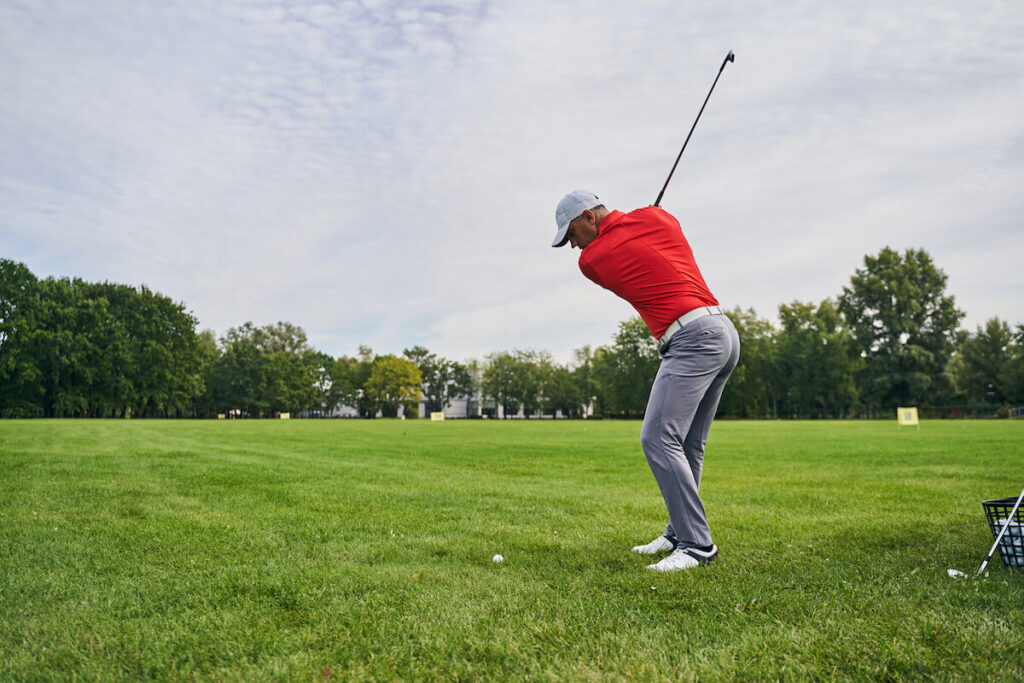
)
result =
(695, 364)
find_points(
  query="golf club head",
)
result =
(728, 58)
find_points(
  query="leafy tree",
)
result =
(153, 353)
(1015, 372)
(625, 371)
(752, 388)
(986, 370)
(236, 378)
(72, 348)
(393, 382)
(443, 380)
(420, 356)
(206, 356)
(323, 369)
(562, 391)
(815, 361)
(358, 372)
(501, 382)
(586, 385)
(109, 367)
(19, 374)
(348, 375)
(70, 340)
(288, 382)
(460, 383)
(475, 370)
(903, 325)
(533, 370)
(266, 370)
(280, 336)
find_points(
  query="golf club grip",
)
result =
(728, 58)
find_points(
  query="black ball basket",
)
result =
(1011, 546)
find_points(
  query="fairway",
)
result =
(351, 549)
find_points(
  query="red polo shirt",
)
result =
(644, 258)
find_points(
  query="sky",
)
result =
(385, 173)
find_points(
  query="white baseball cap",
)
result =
(571, 206)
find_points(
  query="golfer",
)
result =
(643, 257)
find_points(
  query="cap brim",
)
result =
(562, 236)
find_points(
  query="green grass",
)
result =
(361, 549)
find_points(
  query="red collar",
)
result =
(611, 217)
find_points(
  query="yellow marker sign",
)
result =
(286, 416)
(437, 417)
(907, 417)
(221, 416)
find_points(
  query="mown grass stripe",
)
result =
(267, 550)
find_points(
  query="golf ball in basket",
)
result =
(497, 558)
(1011, 545)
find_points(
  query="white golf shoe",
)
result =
(685, 558)
(658, 545)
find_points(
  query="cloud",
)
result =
(385, 173)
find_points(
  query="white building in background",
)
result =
(460, 408)
(474, 407)
(343, 411)
(464, 407)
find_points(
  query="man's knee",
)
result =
(649, 440)
(659, 444)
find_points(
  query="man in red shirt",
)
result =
(643, 257)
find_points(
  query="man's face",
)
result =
(582, 229)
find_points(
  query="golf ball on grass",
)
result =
(498, 559)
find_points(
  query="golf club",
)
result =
(1006, 525)
(728, 58)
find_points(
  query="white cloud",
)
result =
(385, 172)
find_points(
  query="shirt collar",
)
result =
(608, 221)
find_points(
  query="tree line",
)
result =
(70, 348)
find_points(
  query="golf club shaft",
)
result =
(1006, 525)
(728, 58)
